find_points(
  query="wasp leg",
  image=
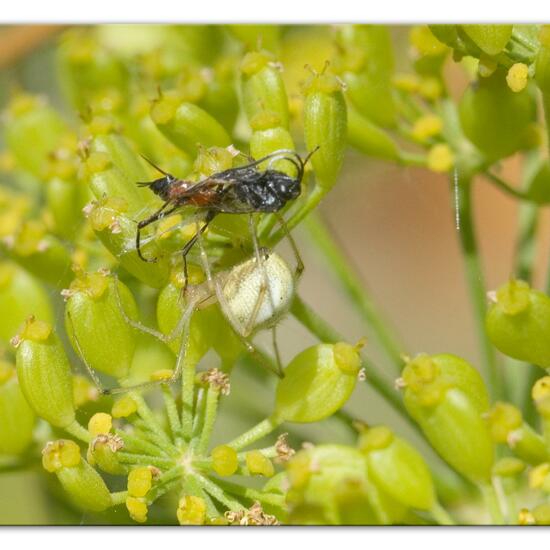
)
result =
(160, 213)
(191, 242)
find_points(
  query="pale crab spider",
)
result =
(253, 295)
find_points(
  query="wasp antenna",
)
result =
(310, 154)
(154, 166)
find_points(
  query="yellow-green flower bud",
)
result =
(494, 118)
(503, 418)
(440, 158)
(100, 423)
(269, 36)
(430, 376)
(517, 77)
(17, 419)
(541, 396)
(86, 68)
(398, 468)
(140, 481)
(102, 452)
(258, 463)
(224, 460)
(508, 466)
(367, 64)
(94, 320)
(541, 514)
(368, 138)
(317, 382)
(456, 430)
(221, 99)
(447, 398)
(21, 295)
(266, 141)
(63, 453)
(518, 322)
(329, 484)
(44, 373)
(325, 126)
(117, 232)
(124, 407)
(84, 486)
(137, 508)
(187, 125)
(191, 510)
(263, 88)
(113, 169)
(32, 130)
(539, 477)
(491, 39)
(44, 255)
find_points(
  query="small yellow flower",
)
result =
(191, 510)
(100, 423)
(517, 77)
(258, 463)
(440, 158)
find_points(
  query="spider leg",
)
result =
(185, 322)
(299, 269)
(235, 325)
(165, 338)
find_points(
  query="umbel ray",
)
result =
(252, 295)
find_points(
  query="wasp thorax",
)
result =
(259, 293)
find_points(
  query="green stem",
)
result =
(441, 516)
(215, 491)
(252, 494)
(212, 396)
(119, 497)
(350, 282)
(187, 396)
(150, 421)
(476, 285)
(78, 431)
(133, 443)
(165, 482)
(130, 458)
(262, 429)
(506, 187)
(491, 502)
(141, 429)
(172, 413)
(320, 328)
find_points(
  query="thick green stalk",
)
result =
(209, 418)
(475, 279)
(172, 413)
(355, 290)
(262, 429)
(492, 504)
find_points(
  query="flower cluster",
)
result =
(154, 336)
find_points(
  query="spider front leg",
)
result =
(185, 327)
